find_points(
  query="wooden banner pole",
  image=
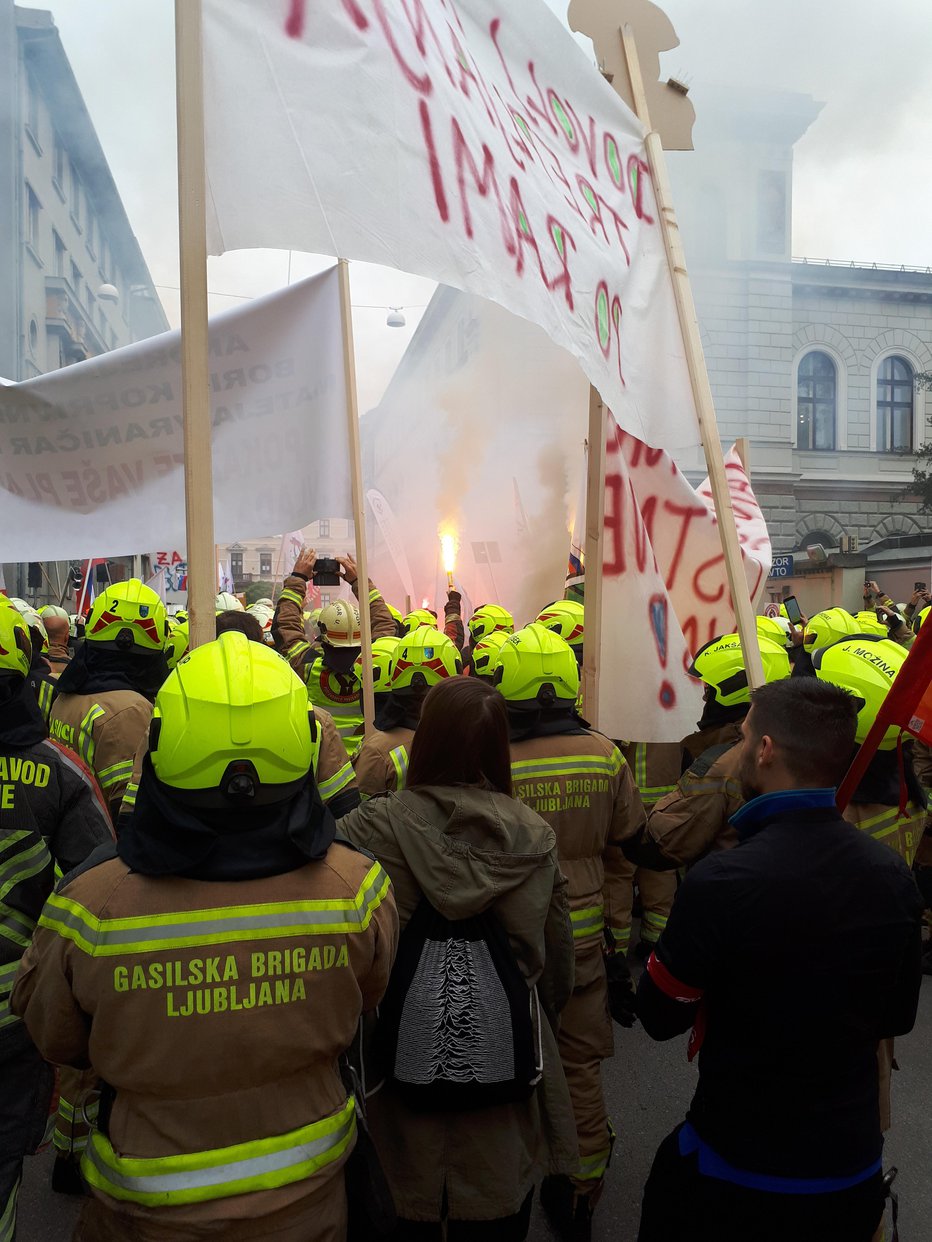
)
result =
(698, 375)
(595, 526)
(743, 449)
(359, 500)
(195, 371)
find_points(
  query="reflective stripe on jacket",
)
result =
(264, 1164)
(580, 784)
(105, 732)
(381, 763)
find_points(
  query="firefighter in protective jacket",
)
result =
(51, 812)
(579, 783)
(215, 971)
(329, 670)
(103, 699)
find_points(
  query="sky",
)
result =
(862, 174)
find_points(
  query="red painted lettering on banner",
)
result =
(440, 196)
(294, 22)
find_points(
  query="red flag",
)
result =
(907, 706)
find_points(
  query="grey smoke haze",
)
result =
(862, 174)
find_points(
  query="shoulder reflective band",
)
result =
(223, 925)
(567, 765)
(399, 758)
(587, 922)
(337, 783)
(292, 596)
(86, 734)
(245, 1168)
(669, 984)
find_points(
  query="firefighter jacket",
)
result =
(331, 765)
(51, 812)
(693, 820)
(453, 619)
(724, 733)
(104, 730)
(875, 804)
(655, 766)
(470, 850)
(215, 1010)
(381, 762)
(580, 784)
(58, 656)
(922, 766)
(335, 691)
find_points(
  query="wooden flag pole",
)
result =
(595, 525)
(743, 449)
(195, 371)
(698, 375)
(359, 500)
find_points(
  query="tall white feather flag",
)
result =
(466, 140)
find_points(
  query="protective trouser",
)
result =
(26, 1085)
(585, 1040)
(657, 889)
(679, 1202)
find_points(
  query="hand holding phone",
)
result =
(793, 611)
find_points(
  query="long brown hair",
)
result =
(462, 737)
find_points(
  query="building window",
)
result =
(75, 195)
(323, 529)
(816, 388)
(61, 251)
(236, 564)
(76, 279)
(91, 305)
(265, 562)
(58, 167)
(324, 599)
(895, 406)
(91, 240)
(32, 112)
(34, 211)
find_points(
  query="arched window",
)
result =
(816, 387)
(895, 406)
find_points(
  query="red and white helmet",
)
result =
(339, 625)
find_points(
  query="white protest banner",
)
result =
(174, 566)
(91, 458)
(482, 404)
(665, 590)
(471, 141)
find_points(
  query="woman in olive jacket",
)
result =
(458, 838)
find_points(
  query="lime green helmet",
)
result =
(181, 614)
(867, 623)
(919, 619)
(176, 645)
(128, 616)
(829, 627)
(15, 642)
(383, 663)
(486, 652)
(230, 726)
(420, 616)
(721, 666)
(423, 658)
(565, 617)
(535, 666)
(489, 617)
(397, 616)
(777, 629)
(866, 667)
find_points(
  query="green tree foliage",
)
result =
(258, 590)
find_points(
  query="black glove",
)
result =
(620, 990)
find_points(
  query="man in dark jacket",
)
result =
(783, 1136)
